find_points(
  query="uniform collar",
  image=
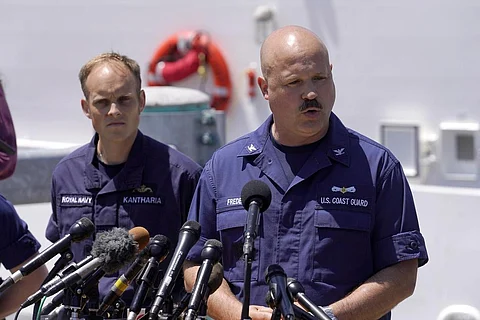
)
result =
(128, 178)
(337, 139)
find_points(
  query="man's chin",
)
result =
(116, 137)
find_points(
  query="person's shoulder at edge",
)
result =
(371, 146)
(76, 155)
(237, 145)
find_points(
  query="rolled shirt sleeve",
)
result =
(17, 243)
(396, 234)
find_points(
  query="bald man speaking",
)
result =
(342, 220)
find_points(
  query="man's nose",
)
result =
(310, 93)
(114, 111)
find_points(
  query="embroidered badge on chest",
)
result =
(145, 194)
(75, 200)
(345, 196)
(234, 201)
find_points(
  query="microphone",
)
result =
(160, 244)
(88, 289)
(189, 234)
(159, 248)
(53, 304)
(214, 282)
(297, 293)
(211, 254)
(110, 251)
(79, 231)
(256, 197)
(277, 281)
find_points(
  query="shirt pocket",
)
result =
(231, 225)
(71, 208)
(342, 249)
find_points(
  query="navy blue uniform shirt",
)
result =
(347, 214)
(17, 243)
(153, 190)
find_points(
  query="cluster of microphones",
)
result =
(73, 287)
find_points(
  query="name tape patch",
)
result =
(142, 200)
(73, 200)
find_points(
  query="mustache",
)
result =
(310, 104)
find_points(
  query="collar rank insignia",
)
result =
(339, 151)
(251, 148)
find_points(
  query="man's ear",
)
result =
(263, 85)
(85, 108)
(142, 100)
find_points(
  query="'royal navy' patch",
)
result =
(75, 200)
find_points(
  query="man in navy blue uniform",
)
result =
(342, 220)
(122, 178)
(17, 244)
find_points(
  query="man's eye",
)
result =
(101, 103)
(124, 99)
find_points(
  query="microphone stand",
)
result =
(181, 307)
(72, 304)
(246, 287)
(61, 262)
(273, 302)
(269, 299)
(118, 310)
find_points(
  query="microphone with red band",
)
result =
(79, 231)
(160, 245)
(111, 250)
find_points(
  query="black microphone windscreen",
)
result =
(106, 247)
(272, 270)
(81, 229)
(192, 226)
(212, 249)
(256, 190)
(159, 246)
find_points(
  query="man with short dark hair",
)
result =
(122, 178)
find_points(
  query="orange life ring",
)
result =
(185, 53)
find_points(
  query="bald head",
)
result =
(288, 42)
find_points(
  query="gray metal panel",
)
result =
(31, 180)
(195, 133)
